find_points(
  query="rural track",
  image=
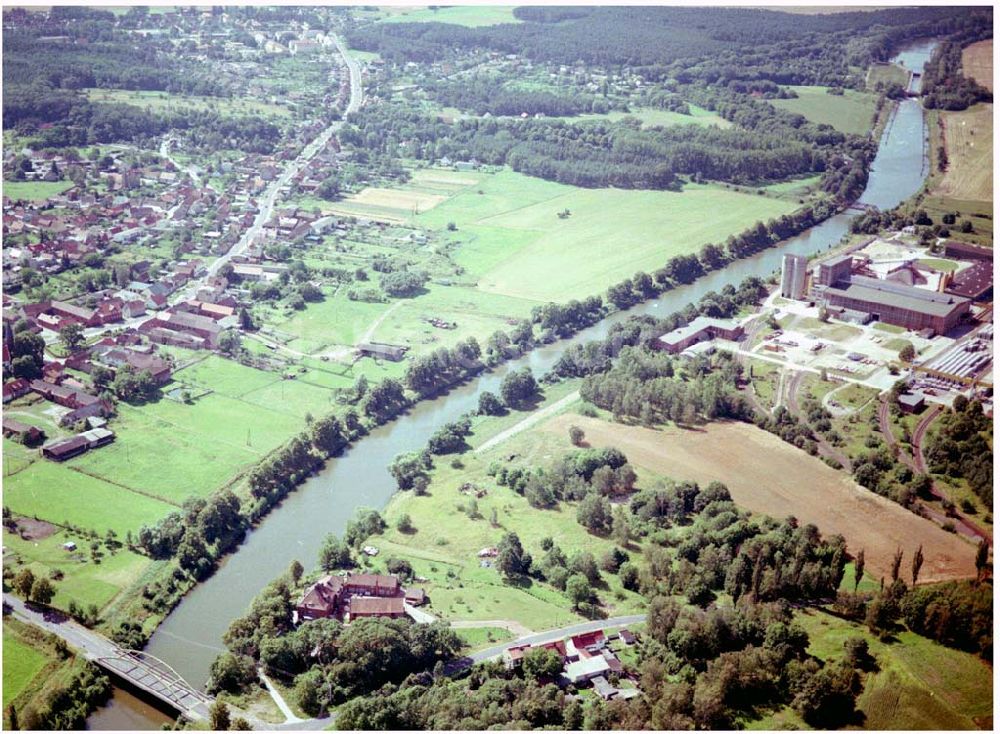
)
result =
(824, 447)
(529, 421)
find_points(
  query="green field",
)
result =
(919, 685)
(471, 16)
(164, 101)
(55, 492)
(887, 74)
(83, 580)
(444, 544)
(34, 190)
(652, 117)
(850, 113)
(480, 637)
(166, 451)
(514, 241)
(21, 663)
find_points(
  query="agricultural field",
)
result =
(651, 117)
(166, 451)
(513, 240)
(919, 683)
(850, 112)
(968, 139)
(471, 16)
(165, 101)
(977, 62)
(790, 483)
(34, 190)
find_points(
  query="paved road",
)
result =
(268, 200)
(552, 635)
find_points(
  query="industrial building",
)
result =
(700, 329)
(893, 303)
(794, 271)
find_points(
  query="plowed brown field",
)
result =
(766, 475)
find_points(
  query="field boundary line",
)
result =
(127, 488)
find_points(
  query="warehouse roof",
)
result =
(882, 293)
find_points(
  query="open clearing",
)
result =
(788, 482)
(34, 190)
(513, 239)
(969, 142)
(850, 112)
(472, 16)
(164, 101)
(920, 684)
(977, 62)
(887, 74)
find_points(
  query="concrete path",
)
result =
(470, 624)
(286, 710)
(418, 615)
(536, 417)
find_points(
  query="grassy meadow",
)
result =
(34, 190)
(919, 683)
(165, 101)
(447, 536)
(968, 139)
(512, 239)
(849, 113)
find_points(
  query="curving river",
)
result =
(191, 636)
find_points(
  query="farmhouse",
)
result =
(352, 596)
(377, 350)
(22, 431)
(359, 607)
(201, 328)
(65, 448)
(15, 389)
(116, 357)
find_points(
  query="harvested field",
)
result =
(969, 142)
(977, 62)
(389, 205)
(766, 475)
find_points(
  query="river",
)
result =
(191, 636)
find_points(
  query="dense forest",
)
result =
(731, 43)
(602, 154)
(944, 86)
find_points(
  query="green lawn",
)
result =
(21, 663)
(513, 238)
(850, 113)
(471, 16)
(34, 190)
(480, 637)
(935, 263)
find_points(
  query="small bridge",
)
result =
(155, 677)
(863, 208)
